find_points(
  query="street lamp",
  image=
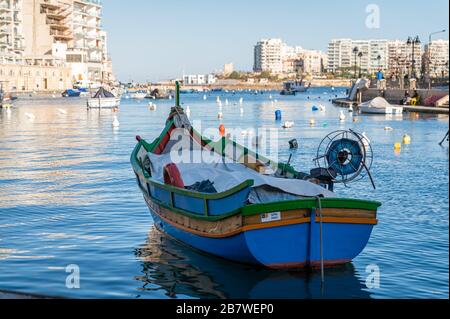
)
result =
(360, 55)
(413, 41)
(355, 52)
(429, 55)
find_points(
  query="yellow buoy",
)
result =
(398, 146)
(406, 139)
(312, 122)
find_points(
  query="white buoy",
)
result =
(170, 97)
(288, 124)
(220, 115)
(226, 102)
(62, 112)
(205, 97)
(388, 128)
(342, 116)
(241, 101)
(152, 106)
(270, 96)
(218, 100)
(188, 111)
(322, 108)
(116, 122)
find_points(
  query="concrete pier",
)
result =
(425, 109)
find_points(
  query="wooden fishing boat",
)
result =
(277, 217)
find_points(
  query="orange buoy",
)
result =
(222, 130)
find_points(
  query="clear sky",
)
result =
(157, 40)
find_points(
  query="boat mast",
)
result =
(177, 94)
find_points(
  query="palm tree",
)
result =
(355, 52)
(360, 55)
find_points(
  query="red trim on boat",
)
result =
(172, 176)
(165, 140)
(311, 265)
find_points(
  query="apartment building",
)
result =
(199, 79)
(437, 55)
(62, 34)
(390, 56)
(275, 56)
(11, 35)
(268, 56)
(340, 54)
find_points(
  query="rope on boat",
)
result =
(322, 265)
(443, 140)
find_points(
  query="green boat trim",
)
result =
(248, 210)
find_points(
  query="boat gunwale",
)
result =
(246, 210)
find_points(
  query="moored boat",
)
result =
(380, 106)
(246, 208)
(138, 95)
(71, 93)
(294, 87)
(103, 99)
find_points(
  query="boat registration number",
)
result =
(271, 217)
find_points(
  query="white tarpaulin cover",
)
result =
(228, 175)
(378, 103)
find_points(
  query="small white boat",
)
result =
(103, 99)
(138, 95)
(380, 106)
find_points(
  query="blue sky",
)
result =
(157, 40)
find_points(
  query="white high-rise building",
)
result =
(65, 34)
(339, 54)
(392, 57)
(269, 56)
(400, 58)
(275, 56)
(11, 33)
(370, 55)
(438, 52)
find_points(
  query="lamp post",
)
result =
(355, 52)
(429, 55)
(413, 42)
(360, 55)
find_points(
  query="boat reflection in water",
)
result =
(181, 271)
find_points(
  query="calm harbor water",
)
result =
(68, 196)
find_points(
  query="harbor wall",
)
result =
(395, 96)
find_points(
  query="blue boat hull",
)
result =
(294, 246)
